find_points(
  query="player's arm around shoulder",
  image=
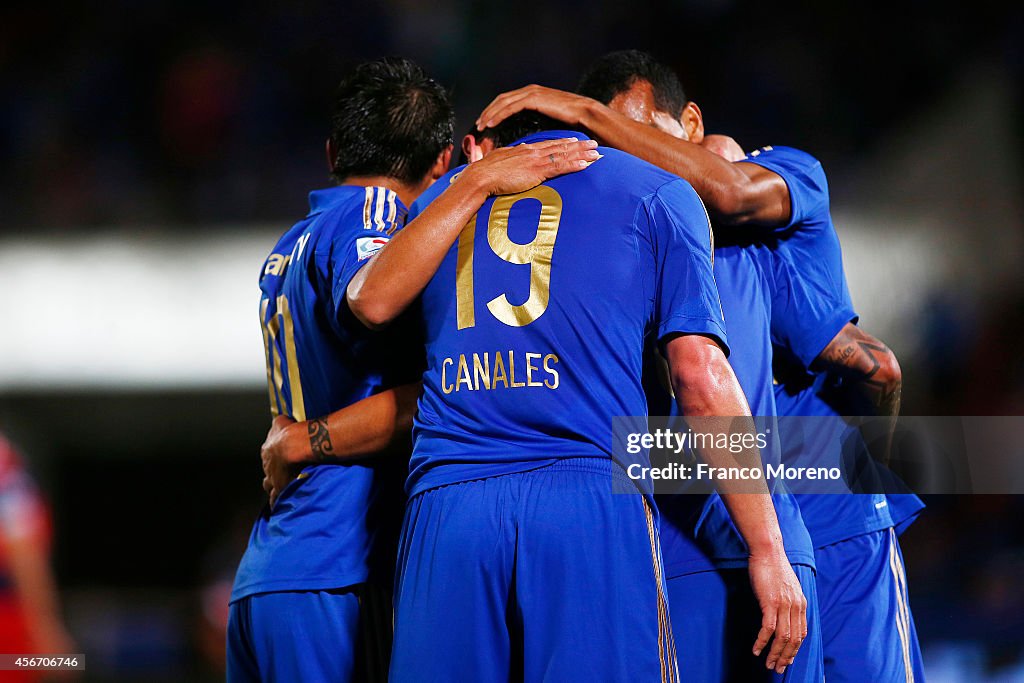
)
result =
(378, 425)
(735, 193)
(784, 186)
(398, 274)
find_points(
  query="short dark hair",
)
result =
(518, 126)
(617, 72)
(390, 118)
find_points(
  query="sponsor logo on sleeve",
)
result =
(368, 246)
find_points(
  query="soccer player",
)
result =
(516, 557)
(780, 196)
(708, 574)
(309, 600)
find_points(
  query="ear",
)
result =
(693, 123)
(440, 167)
(468, 145)
(331, 156)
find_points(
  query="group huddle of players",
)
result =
(505, 312)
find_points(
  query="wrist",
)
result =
(473, 181)
(767, 550)
(590, 114)
(298, 449)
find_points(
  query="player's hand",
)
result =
(724, 146)
(517, 169)
(278, 470)
(563, 106)
(783, 609)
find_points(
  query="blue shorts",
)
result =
(342, 635)
(544, 575)
(867, 629)
(715, 620)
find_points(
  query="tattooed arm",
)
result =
(855, 354)
(377, 425)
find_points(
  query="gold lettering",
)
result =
(463, 374)
(538, 253)
(481, 372)
(291, 360)
(275, 264)
(530, 369)
(445, 387)
(551, 371)
(499, 371)
(465, 302)
(512, 371)
(270, 352)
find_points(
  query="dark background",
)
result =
(192, 118)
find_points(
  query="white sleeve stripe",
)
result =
(392, 207)
(378, 216)
(366, 208)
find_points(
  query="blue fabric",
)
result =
(715, 621)
(904, 509)
(809, 312)
(336, 525)
(810, 305)
(697, 531)
(293, 636)
(631, 258)
(539, 575)
(826, 439)
(867, 628)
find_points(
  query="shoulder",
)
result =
(780, 154)
(804, 177)
(318, 235)
(642, 173)
(366, 217)
(788, 162)
(364, 208)
(435, 189)
(677, 196)
(629, 179)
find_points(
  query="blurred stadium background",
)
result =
(150, 152)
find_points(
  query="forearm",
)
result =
(748, 501)
(873, 372)
(392, 280)
(377, 425)
(711, 400)
(718, 182)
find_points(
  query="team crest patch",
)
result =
(368, 246)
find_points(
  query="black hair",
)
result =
(616, 72)
(511, 129)
(518, 126)
(390, 118)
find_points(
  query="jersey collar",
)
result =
(551, 135)
(329, 197)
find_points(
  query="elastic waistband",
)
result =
(595, 465)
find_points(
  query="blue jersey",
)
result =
(536, 319)
(697, 532)
(336, 525)
(811, 305)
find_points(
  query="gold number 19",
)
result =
(537, 253)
